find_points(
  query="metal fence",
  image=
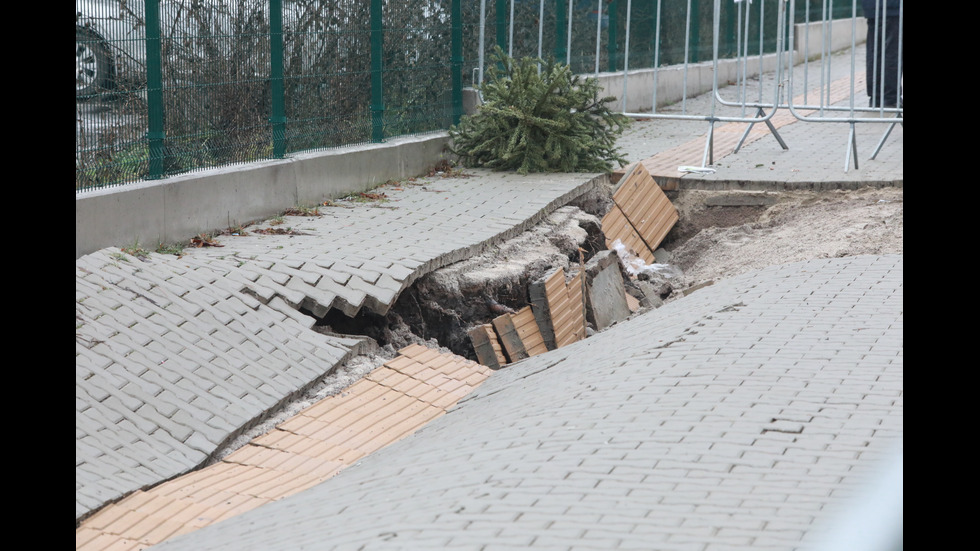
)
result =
(168, 86)
(813, 91)
(165, 87)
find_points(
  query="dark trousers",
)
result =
(884, 69)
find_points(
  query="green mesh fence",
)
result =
(165, 87)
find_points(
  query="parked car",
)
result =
(110, 45)
(110, 49)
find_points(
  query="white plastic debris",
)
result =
(635, 265)
(696, 169)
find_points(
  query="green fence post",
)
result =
(155, 134)
(456, 16)
(277, 89)
(655, 37)
(501, 17)
(612, 48)
(695, 31)
(377, 66)
(561, 38)
(728, 12)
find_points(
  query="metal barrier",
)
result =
(748, 39)
(744, 21)
(883, 63)
(782, 93)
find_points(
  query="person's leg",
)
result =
(891, 75)
(872, 62)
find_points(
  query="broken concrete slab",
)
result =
(646, 206)
(641, 216)
(509, 338)
(566, 302)
(526, 325)
(487, 346)
(542, 312)
(607, 297)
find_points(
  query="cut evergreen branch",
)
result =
(552, 121)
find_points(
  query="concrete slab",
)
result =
(607, 296)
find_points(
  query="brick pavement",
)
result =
(388, 404)
(738, 417)
(177, 356)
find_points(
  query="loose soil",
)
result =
(711, 243)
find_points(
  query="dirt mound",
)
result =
(715, 242)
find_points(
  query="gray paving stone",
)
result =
(647, 439)
(153, 313)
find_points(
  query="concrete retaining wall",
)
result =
(177, 208)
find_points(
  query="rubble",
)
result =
(551, 286)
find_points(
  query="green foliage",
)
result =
(552, 121)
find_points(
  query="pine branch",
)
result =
(547, 121)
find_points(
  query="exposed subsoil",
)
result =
(707, 244)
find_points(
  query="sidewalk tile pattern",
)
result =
(170, 361)
(489, 351)
(527, 330)
(738, 417)
(647, 210)
(174, 356)
(567, 307)
(392, 402)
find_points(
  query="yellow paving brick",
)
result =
(163, 531)
(413, 350)
(135, 501)
(259, 456)
(284, 461)
(111, 542)
(322, 430)
(425, 356)
(245, 481)
(105, 517)
(221, 503)
(283, 440)
(84, 535)
(475, 379)
(124, 522)
(204, 484)
(401, 362)
(243, 507)
(180, 512)
(278, 485)
(297, 423)
(149, 528)
(298, 483)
